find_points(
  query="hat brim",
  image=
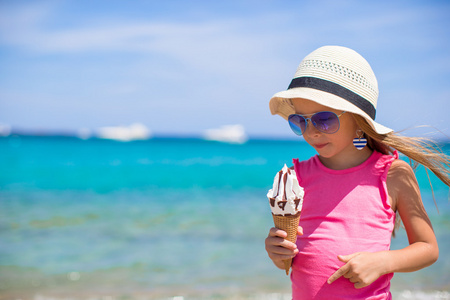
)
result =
(281, 104)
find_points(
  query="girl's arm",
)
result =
(363, 268)
(423, 248)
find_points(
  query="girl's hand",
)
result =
(280, 249)
(361, 268)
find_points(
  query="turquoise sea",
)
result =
(165, 218)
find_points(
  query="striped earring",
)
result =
(360, 142)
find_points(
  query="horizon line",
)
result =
(251, 137)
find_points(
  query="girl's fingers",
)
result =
(280, 253)
(340, 272)
(277, 232)
(280, 242)
(277, 247)
(277, 237)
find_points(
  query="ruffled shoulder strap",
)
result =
(384, 163)
(300, 166)
(297, 169)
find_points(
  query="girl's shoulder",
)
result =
(399, 171)
(401, 182)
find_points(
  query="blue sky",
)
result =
(181, 67)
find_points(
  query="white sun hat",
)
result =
(333, 76)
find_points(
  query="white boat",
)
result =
(228, 134)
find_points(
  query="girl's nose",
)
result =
(311, 130)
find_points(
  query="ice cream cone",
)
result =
(289, 224)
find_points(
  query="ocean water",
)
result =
(159, 219)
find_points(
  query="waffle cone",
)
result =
(290, 225)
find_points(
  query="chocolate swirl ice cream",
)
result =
(286, 195)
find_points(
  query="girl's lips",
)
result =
(320, 146)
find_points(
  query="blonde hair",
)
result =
(420, 151)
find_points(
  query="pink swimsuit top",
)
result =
(344, 211)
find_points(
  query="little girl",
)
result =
(356, 188)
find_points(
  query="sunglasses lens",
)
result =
(327, 122)
(297, 123)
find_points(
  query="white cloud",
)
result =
(217, 46)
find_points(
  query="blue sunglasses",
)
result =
(324, 121)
